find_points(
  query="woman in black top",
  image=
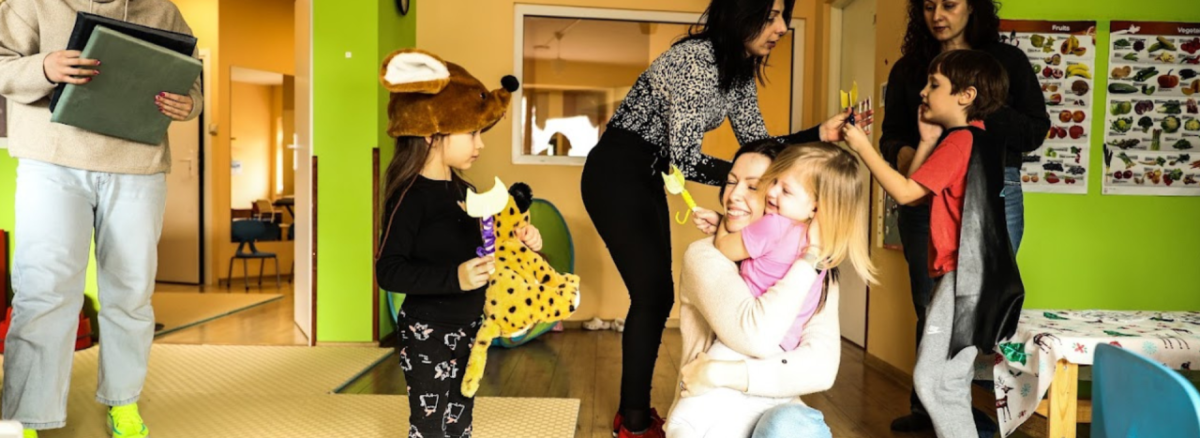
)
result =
(689, 90)
(935, 26)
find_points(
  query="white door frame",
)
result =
(304, 291)
(836, 11)
(798, 59)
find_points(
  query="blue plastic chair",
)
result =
(245, 232)
(1134, 397)
(558, 248)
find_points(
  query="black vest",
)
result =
(988, 288)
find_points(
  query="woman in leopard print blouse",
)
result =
(689, 90)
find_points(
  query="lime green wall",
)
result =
(348, 38)
(394, 33)
(1112, 252)
(8, 190)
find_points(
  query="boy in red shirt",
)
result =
(978, 294)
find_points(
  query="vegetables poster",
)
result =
(1063, 55)
(1153, 123)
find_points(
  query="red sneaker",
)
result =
(617, 424)
(654, 431)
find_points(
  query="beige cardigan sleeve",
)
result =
(810, 368)
(22, 78)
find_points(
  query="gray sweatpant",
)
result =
(942, 383)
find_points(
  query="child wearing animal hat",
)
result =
(437, 113)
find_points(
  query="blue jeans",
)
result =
(792, 421)
(1014, 206)
(57, 211)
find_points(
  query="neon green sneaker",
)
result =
(30, 433)
(125, 422)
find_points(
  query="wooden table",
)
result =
(1045, 355)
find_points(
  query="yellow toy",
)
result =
(850, 100)
(523, 290)
(674, 184)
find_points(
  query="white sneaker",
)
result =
(596, 324)
(619, 325)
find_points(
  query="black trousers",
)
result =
(434, 358)
(623, 193)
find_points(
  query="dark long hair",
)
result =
(729, 24)
(406, 165)
(983, 29)
(768, 147)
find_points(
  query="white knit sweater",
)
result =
(715, 303)
(32, 29)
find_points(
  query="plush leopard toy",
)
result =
(524, 290)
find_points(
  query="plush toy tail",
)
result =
(489, 331)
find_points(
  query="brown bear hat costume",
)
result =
(434, 97)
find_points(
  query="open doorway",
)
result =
(247, 169)
(262, 173)
(852, 60)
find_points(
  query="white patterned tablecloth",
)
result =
(1024, 365)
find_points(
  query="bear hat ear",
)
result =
(414, 71)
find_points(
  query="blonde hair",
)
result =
(831, 176)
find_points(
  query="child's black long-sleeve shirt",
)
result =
(430, 237)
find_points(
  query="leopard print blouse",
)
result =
(678, 99)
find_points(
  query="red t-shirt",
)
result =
(945, 174)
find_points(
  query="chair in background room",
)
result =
(245, 233)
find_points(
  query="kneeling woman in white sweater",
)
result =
(736, 381)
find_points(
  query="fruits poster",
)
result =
(1153, 123)
(1063, 55)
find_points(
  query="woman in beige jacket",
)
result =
(72, 185)
(736, 381)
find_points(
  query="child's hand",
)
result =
(473, 274)
(930, 132)
(706, 220)
(531, 237)
(856, 138)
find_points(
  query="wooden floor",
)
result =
(268, 324)
(573, 364)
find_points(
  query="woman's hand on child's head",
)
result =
(531, 237)
(930, 132)
(474, 273)
(706, 220)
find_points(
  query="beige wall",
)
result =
(891, 324)
(253, 143)
(491, 57)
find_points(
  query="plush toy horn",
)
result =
(489, 203)
(485, 207)
(414, 71)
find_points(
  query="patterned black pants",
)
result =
(434, 358)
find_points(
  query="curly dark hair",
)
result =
(983, 28)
